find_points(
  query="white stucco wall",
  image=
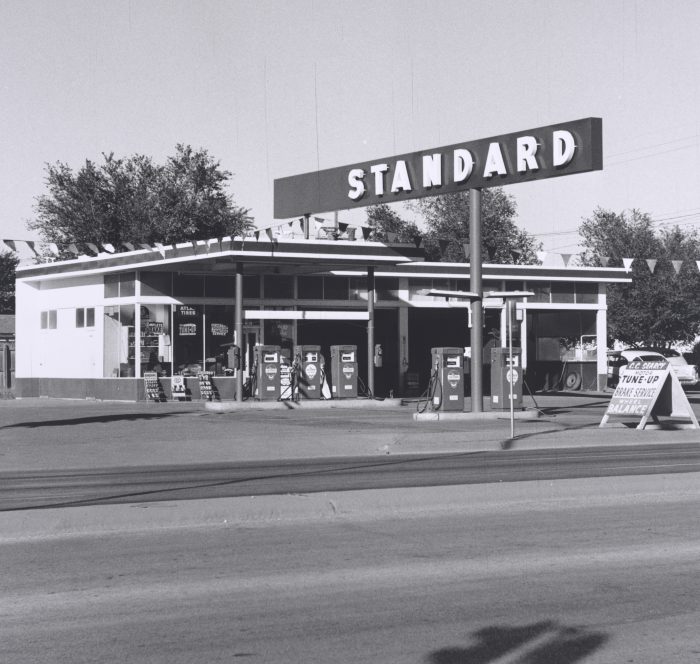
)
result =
(67, 351)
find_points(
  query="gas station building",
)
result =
(94, 327)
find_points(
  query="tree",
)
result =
(447, 221)
(8, 264)
(386, 222)
(658, 308)
(136, 200)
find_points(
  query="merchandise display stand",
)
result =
(207, 390)
(154, 390)
(179, 390)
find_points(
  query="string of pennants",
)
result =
(270, 232)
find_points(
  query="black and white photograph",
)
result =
(349, 332)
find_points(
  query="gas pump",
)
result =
(447, 381)
(344, 372)
(503, 375)
(233, 357)
(267, 372)
(286, 372)
(310, 366)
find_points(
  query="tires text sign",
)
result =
(533, 154)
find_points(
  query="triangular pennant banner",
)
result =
(53, 247)
(604, 260)
(541, 255)
(342, 227)
(627, 262)
(391, 237)
(443, 246)
(677, 265)
(566, 258)
(417, 240)
(11, 244)
(145, 246)
(698, 264)
(73, 249)
(301, 224)
(269, 233)
(31, 245)
(651, 262)
(129, 246)
(366, 232)
(467, 249)
(256, 234)
(160, 248)
(108, 247)
(93, 247)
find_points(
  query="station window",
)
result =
(156, 283)
(279, 287)
(387, 288)
(542, 291)
(586, 293)
(220, 286)
(310, 288)
(251, 286)
(188, 285)
(562, 292)
(48, 319)
(335, 288)
(85, 317)
(120, 285)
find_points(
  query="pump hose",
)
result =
(429, 394)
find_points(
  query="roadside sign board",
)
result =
(534, 154)
(649, 389)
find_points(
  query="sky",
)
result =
(278, 88)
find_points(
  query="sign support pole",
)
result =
(238, 328)
(477, 329)
(370, 331)
(510, 304)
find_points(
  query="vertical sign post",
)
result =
(475, 286)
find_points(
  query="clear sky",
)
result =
(276, 88)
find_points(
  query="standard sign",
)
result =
(534, 154)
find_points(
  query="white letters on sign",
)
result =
(520, 154)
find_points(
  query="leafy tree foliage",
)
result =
(8, 264)
(136, 200)
(447, 222)
(658, 308)
(386, 222)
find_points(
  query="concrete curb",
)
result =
(370, 504)
(486, 415)
(304, 404)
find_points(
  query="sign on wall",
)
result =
(533, 154)
(649, 389)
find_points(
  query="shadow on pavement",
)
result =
(538, 643)
(93, 419)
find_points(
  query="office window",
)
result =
(48, 319)
(85, 317)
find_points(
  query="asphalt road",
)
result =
(40, 489)
(594, 571)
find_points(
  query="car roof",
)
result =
(643, 354)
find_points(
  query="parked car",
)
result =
(687, 374)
